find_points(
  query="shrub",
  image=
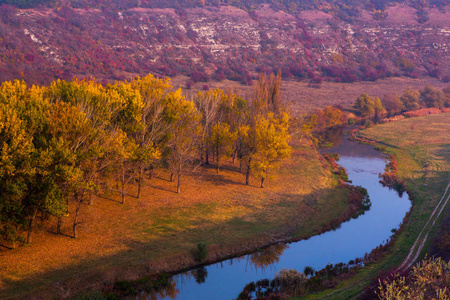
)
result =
(291, 282)
(201, 253)
(368, 123)
(308, 271)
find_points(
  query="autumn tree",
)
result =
(428, 280)
(272, 143)
(329, 117)
(74, 145)
(128, 107)
(184, 132)
(446, 92)
(410, 99)
(208, 104)
(267, 93)
(152, 127)
(392, 103)
(236, 113)
(369, 107)
(431, 97)
(222, 140)
(266, 127)
(16, 165)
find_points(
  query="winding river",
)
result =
(354, 238)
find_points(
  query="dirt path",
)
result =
(423, 235)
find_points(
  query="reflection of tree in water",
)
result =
(267, 256)
(163, 289)
(332, 136)
(200, 274)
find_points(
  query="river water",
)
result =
(354, 238)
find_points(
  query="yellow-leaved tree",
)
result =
(184, 133)
(222, 140)
(152, 127)
(272, 143)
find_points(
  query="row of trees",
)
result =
(393, 104)
(60, 143)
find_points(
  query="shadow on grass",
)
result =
(138, 257)
(443, 152)
(162, 188)
(109, 198)
(220, 180)
(4, 247)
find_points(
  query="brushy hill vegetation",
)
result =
(351, 6)
(309, 41)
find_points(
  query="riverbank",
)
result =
(420, 146)
(160, 231)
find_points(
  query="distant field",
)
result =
(426, 139)
(345, 94)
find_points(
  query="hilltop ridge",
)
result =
(337, 43)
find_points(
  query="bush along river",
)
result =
(351, 240)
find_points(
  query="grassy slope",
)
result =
(159, 231)
(422, 147)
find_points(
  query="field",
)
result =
(302, 97)
(160, 231)
(422, 148)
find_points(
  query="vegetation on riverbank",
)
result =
(420, 146)
(156, 229)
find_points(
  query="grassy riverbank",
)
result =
(159, 231)
(422, 148)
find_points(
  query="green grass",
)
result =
(421, 146)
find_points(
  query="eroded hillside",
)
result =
(43, 44)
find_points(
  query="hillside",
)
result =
(313, 43)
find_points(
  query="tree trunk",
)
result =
(90, 198)
(171, 177)
(150, 172)
(234, 155)
(206, 155)
(77, 213)
(179, 178)
(141, 172)
(58, 225)
(217, 158)
(123, 184)
(247, 174)
(31, 225)
(262, 179)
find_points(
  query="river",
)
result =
(354, 238)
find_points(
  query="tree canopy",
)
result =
(61, 143)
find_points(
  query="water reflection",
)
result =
(225, 280)
(200, 274)
(166, 289)
(331, 137)
(268, 256)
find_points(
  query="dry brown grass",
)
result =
(159, 231)
(304, 97)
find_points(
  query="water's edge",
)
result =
(363, 165)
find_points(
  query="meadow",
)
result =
(421, 146)
(160, 231)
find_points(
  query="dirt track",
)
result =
(423, 235)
